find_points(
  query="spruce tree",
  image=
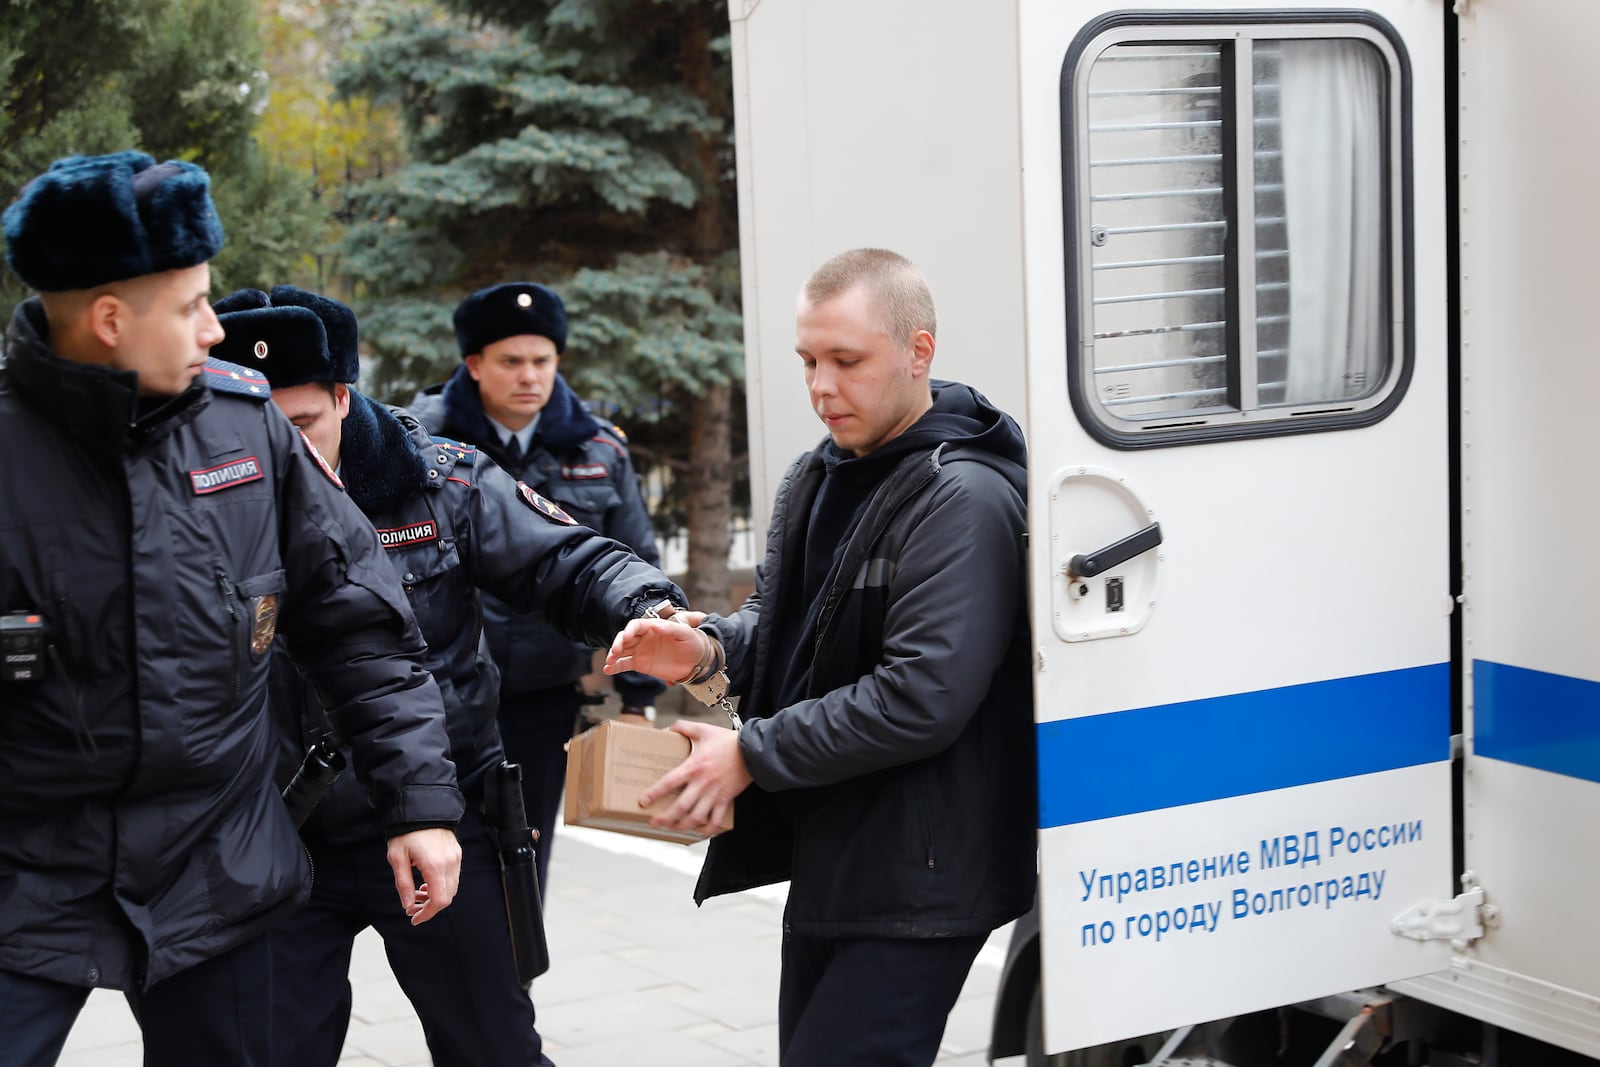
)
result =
(176, 78)
(586, 144)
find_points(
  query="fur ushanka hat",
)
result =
(91, 220)
(290, 335)
(509, 310)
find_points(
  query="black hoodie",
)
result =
(890, 734)
(956, 418)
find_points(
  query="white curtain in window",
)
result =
(1332, 133)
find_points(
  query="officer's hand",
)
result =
(437, 854)
(667, 650)
(710, 778)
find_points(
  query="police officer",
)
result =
(510, 400)
(451, 523)
(166, 524)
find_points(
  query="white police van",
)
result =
(1297, 305)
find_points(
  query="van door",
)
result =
(1239, 504)
(1531, 782)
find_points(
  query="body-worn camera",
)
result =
(24, 638)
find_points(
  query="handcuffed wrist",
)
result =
(712, 660)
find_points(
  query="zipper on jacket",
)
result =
(230, 604)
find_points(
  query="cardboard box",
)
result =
(610, 765)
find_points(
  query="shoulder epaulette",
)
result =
(463, 454)
(239, 381)
(612, 437)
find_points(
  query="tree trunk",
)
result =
(710, 480)
(710, 499)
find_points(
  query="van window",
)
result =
(1235, 235)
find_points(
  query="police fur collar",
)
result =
(564, 422)
(380, 464)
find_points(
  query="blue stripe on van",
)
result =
(1549, 722)
(1145, 759)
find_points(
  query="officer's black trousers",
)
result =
(456, 969)
(865, 1002)
(214, 1012)
(36, 1015)
(535, 727)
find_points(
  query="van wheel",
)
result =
(1130, 1053)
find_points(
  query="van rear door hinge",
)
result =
(1460, 921)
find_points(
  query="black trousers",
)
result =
(456, 969)
(219, 1011)
(535, 727)
(864, 1002)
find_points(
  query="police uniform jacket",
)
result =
(453, 523)
(163, 541)
(896, 791)
(582, 465)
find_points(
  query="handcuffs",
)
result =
(708, 682)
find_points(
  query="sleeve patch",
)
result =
(548, 508)
(394, 537)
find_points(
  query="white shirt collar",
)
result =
(524, 436)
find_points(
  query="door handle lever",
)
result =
(1089, 564)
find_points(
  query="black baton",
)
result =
(322, 767)
(518, 873)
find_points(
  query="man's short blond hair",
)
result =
(899, 291)
(67, 305)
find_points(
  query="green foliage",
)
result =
(521, 154)
(586, 144)
(653, 325)
(270, 220)
(396, 256)
(48, 72)
(327, 143)
(193, 83)
(176, 78)
(418, 343)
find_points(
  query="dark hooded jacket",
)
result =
(583, 465)
(161, 543)
(888, 714)
(453, 523)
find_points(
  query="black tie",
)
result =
(514, 450)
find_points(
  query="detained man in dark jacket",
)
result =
(168, 524)
(885, 764)
(452, 523)
(509, 399)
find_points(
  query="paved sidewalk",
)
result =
(638, 975)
